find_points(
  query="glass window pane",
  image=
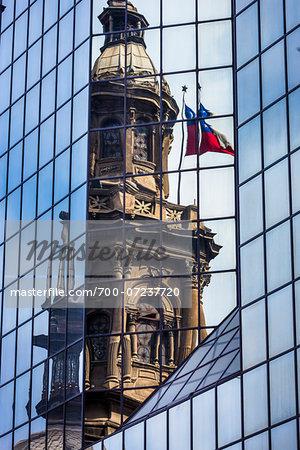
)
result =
(22, 399)
(62, 175)
(204, 417)
(216, 193)
(20, 32)
(295, 169)
(7, 349)
(15, 167)
(81, 72)
(293, 58)
(275, 132)
(229, 399)
(216, 92)
(5, 48)
(34, 64)
(284, 436)
(114, 442)
(35, 21)
(282, 388)
(46, 141)
(156, 432)
(217, 36)
(80, 114)
(134, 437)
(7, 18)
(280, 311)
(296, 233)
(32, 108)
(276, 193)
(259, 442)
(252, 255)
(292, 8)
(185, 46)
(214, 9)
(173, 13)
(6, 402)
(5, 87)
(63, 125)
(248, 91)
(24, 347)
(48, 95)
(20, 6)
(65, 35)
(16, 121)
(82, 21)
(78, 202)
(79, 163)
(247, 34)
(255, 400)
(28, 200)
(49, 49)
(271, 26)
(18, 80)
(278, 256)
(50, 13)
(273, 81)
(254, 334)
(3, 172)
(65, 6)
(179, 426)
(294, 101)
(45, 188)
(251, 214)
(30, 154)
(4, 132)
(64, 81)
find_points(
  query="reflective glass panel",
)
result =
(282, 387)
(255, 400)
(229, 399)
(271, 29)
(273, 81)
(275, 132)
(278, 256)
(253, 285)
(294, 100)
(248, 91)
(284, 436)
(204, 421)
(293, 58)
(247, 34)
(280, 311)
(251, 213)
(276, 193)
(254, 334)
(179, 426)
(156, 432)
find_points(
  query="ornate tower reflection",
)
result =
(135, 186)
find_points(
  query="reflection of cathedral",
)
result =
(130, 350)
(155, 345)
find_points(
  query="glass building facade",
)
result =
(93, 126)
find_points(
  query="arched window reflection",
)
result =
(98, 324)
(111, 141)
(148, 322)
(141, 147)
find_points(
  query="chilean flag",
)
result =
(211, 140)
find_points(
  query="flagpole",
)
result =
(184, 89)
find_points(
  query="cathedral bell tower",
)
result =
(141, 113)
(130, 350)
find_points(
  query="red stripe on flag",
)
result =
(210, 143)
(191, 148)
